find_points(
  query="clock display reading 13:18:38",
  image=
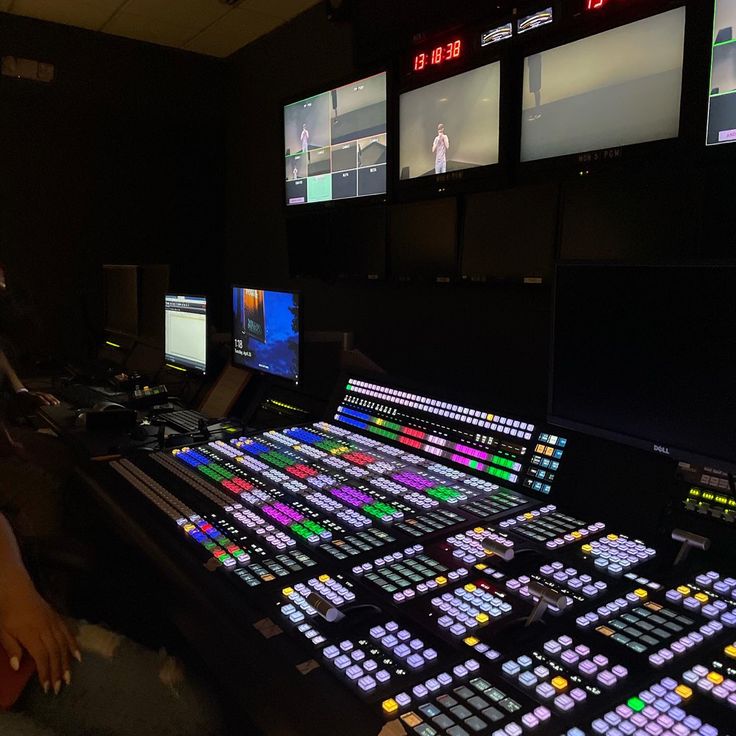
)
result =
(438, 55)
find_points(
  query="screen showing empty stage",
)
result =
(266, 331)
(616, 88)
(722, 100)
(335, 143)
(186, 331)
(452, 124)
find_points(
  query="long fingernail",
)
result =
(46, 686)
(14, 663)
(57, 687)
(67, 677)
(77, 655)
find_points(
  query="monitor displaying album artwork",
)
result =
(335, 143)
(452, 124)
(615, 88)
(266, 334)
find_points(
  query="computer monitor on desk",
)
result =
(266, 332)
(185, 333)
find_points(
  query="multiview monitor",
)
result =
(185, 333)
(616, 88)
(452, 124)
(266, 331)
(722, 97)
(335, 143)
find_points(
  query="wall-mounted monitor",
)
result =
(185, 333)
(722, 98)
(615, 88)
(646, 355)
(335, 143)
(266, 331)
(452, 124)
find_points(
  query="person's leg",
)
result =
(121, 688)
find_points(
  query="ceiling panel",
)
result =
(82, 13)
(203, 26)
(195, 13)
(238, 28)
(154, 30)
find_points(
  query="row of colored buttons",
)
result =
(412, 497)
(684, 644)
(576, 535)
(606, 611)
(468, 608)
(617, 553)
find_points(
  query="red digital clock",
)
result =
(438, 55)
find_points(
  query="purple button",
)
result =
(569, 657)
(692, 722)
(606, 678)
(639, 720)
(620, 671)
(579, 695)
(673, 698)
(665, 721)
(653, 729)
(564, 702)
(587, 668)
(403, 699)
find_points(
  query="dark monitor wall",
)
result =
(646, 355)
(423, 238)
(121, 299)
(510, 234)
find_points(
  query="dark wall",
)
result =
(119, 160)
(494, 341)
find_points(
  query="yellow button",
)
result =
(479, 530)
(730, 651)
(715, 677)
(586, 548)
(612, 537)
(640, 593)
(188, 527)
(288, 592)
(390, 706)
(471, 641)
(684, 590)
(482, 618)
(576, 535)
(684, 692)
(559, 683)
(411, 719)
(481, 566)
(702, 597)
(441, 580)
(528, 516)
(470, 587)
(323, 578)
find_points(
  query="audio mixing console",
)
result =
(408, 545)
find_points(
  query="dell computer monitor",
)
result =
(452, 124)
(615, 88)
(646, 355)
(335, 143)
(185, 332)
(121, 299)
(722, 98)
(266, 331)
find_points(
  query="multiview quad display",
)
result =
(722, 99)
(335, 143)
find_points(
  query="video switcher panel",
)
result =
(398, 544)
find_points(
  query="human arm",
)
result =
(28, 623)
(447, 142)
(30, 399)
(434, 145)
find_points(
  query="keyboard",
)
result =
(185, 420)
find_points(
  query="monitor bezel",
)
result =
(300, 336)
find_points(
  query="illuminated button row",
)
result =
(403, 645)
(369, 505)
(660, 709)
(612, 608)
(684, 644)
(617, 553)
(329, 589)
(350, 517)
(710, 604)
(576, 535)
(458, 475)
(467, 547)
(414, 498)
(569, 577)
(578, 657)
(528, 516)
(466, 609)
(267, 532)
(712, 683)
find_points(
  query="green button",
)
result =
(636, 704)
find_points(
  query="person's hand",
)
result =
(28, 402)
(28, 623)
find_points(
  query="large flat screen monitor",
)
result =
(335, 143)
(615, 88)
(452, 124)
(121, 299)
(646, 355)
(185, 331)
(266, 331)
(722, 99)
